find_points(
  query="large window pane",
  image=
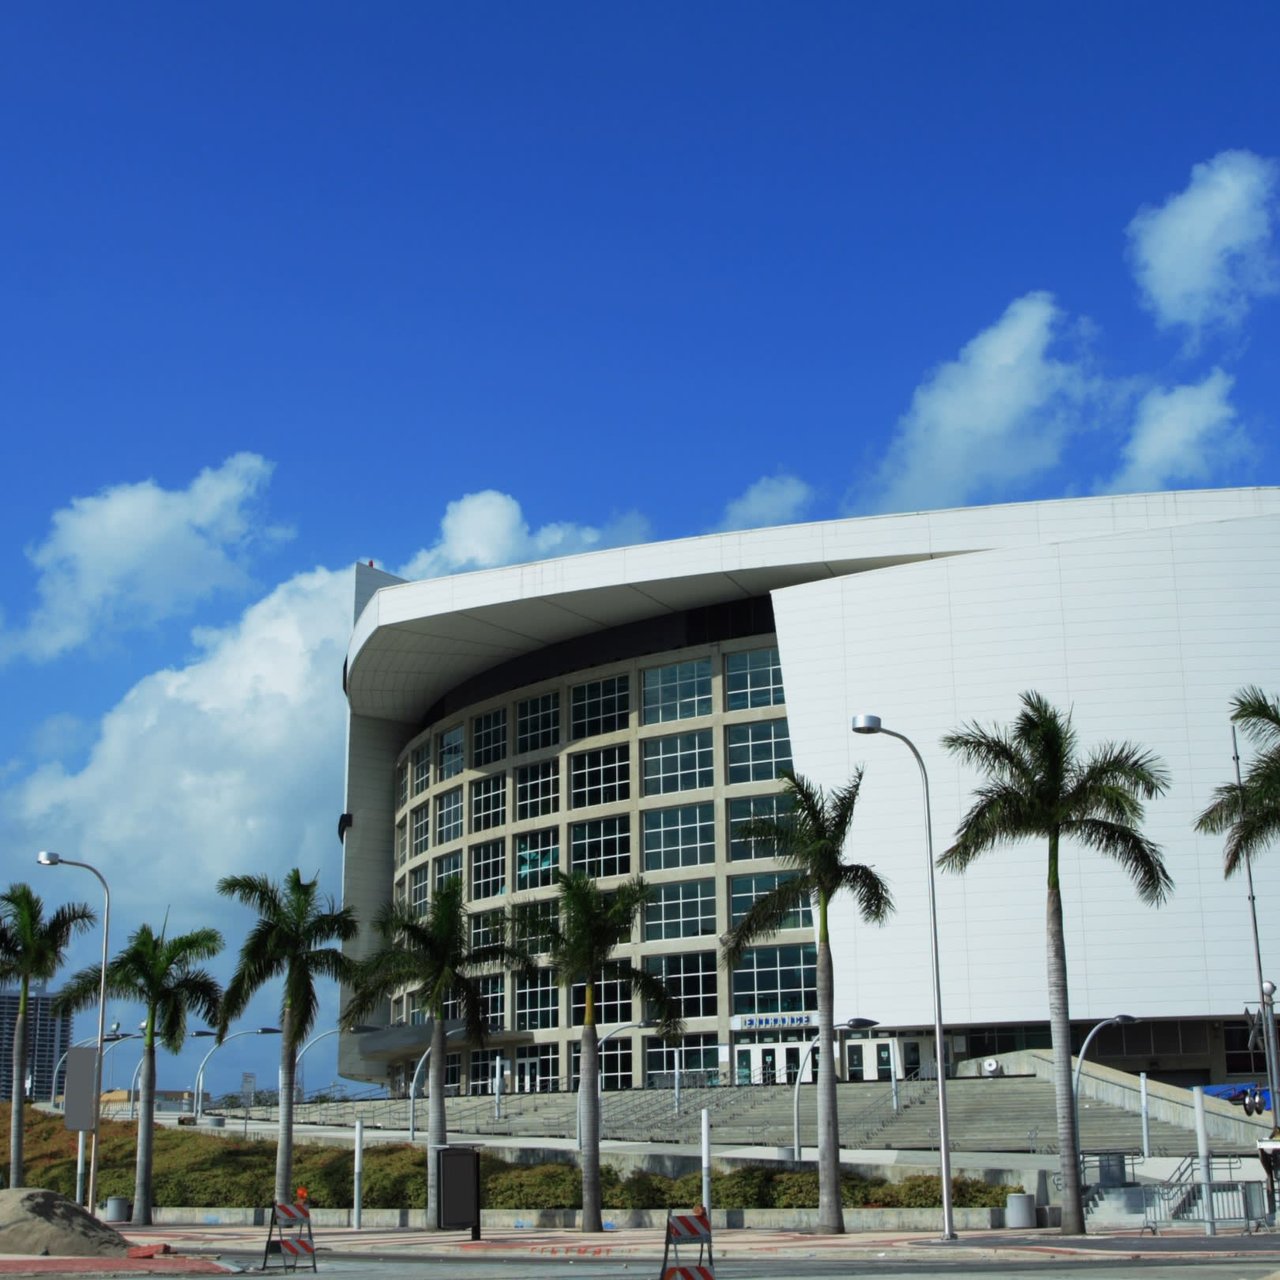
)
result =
(449, 753)
(681, 837)
(489, 802)
(489, 737)
(744, 890)
(690, 977)
(488, 868)
(757, 752)
(602, 776)
(681, 762)
(677, 692)
(538, 722)
(449, 816)
(686, 909)
(602, 847)
(537, 858)
(754, 809)
(752, 679)
(777, 980)
(600, 706)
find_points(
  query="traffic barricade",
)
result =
(289, 1237)
(685, 1230)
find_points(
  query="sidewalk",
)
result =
(196, 1248)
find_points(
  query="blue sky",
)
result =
(290, 286)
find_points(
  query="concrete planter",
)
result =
(568, 1219)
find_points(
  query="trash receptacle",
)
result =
(1020, 1211)
(119, 1209)
(1111, 1169)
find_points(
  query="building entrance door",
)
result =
(772, 1063)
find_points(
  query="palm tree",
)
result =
(162, 974)
(1038, 787)
(580, 943)
(431, 956)
(1249, 810)
(291, 937)
(31, 950)
(809, 838)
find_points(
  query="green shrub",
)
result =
(795, 1189)
(640, 1190)
(545, 1186)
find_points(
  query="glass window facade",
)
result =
(421, 825)
(601, 847)
(690, 977)
(537, 789)
(489, 802)
(537, 858)
(613, 1003)
(419, 890)
(676, 692)
(750, 809)
(449, 816)
(486, 928)
(744, 890)
(450, 756)
(685, 909)
(753, 679)
(420, 768)
(681, 837)
(758, 751)
(488, 868)
(538, 723)
(777, 980)
(489, 738)
(534, 924)
(681, 762)
(446, 868)
(602, 776)
(537, 1001)
(600, 706)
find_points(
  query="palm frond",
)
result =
(1258, 717)
(1140, 857)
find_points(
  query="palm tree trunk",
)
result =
(437, 1120)
(18, 1093)
(146, 1133)
(589, 1101)
(830, 1210)
(284, 1141)
(1060, 1034)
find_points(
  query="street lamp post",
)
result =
(1120, 1020)
(854, 1024)
(645, 1025)
(873, 724)
(197, 1104)
(47, 858)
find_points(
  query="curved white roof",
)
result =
(414, 641)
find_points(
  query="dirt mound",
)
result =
(36, 1221)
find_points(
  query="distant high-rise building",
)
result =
(48, 1038)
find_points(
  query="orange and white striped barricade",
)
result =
(290, 1237)
(688, 1229)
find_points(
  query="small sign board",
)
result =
(458, 1189)
(78, 1086)
(248, 1087)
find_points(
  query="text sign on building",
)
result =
(77, 1091)
(771, 1021)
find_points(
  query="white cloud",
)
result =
(486, 529)
(1179, 435)
(232, 763)
(1202, 256)
(135, 554)
(990, 420)
(771, 500)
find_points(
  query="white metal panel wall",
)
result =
(1146, 636)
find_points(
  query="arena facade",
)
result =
(624, 711)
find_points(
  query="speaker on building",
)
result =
(991, 1067)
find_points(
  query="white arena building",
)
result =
(623, 711)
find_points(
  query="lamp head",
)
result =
(861, 1024)
(866, 724)
(268, 1031)
(1124, 1019)
(47, 858)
